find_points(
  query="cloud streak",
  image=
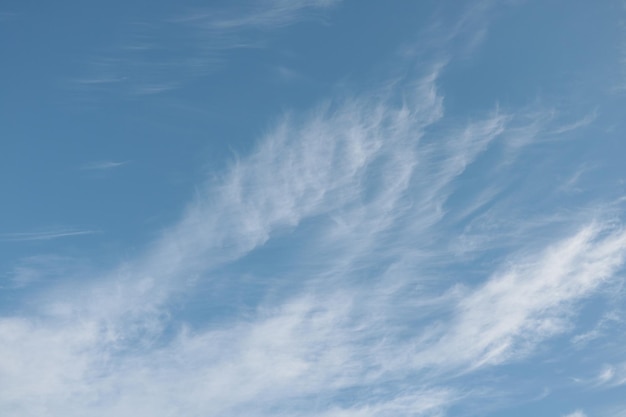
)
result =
(367, 185)
(367, 310)
(151, 62)
(520, 307)
(103, 165)
(44, 235)
(577, 413)
(261, 15)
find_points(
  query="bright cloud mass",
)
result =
(316, 208)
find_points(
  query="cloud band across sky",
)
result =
(375, 255)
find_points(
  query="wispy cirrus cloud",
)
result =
(152, 60)
(528, 302)
(585, 121)
(357, 189)
(45, 234)
(267, 14)
(103, 165)
(36, 269)
(610, 376)
(366, 311)
(578, 413)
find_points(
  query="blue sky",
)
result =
(316, 208)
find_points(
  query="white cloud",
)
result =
(149, 62)
(44, 235)
(269, 14)
(360, 187)
(35, 269)
(101, 355)
(611, 376)
(366, 170)
(529, 300)
(603, 326)
(577, 414)
(103, 165)
(578, 124)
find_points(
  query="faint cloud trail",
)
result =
(103, 165)
(44, 235)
